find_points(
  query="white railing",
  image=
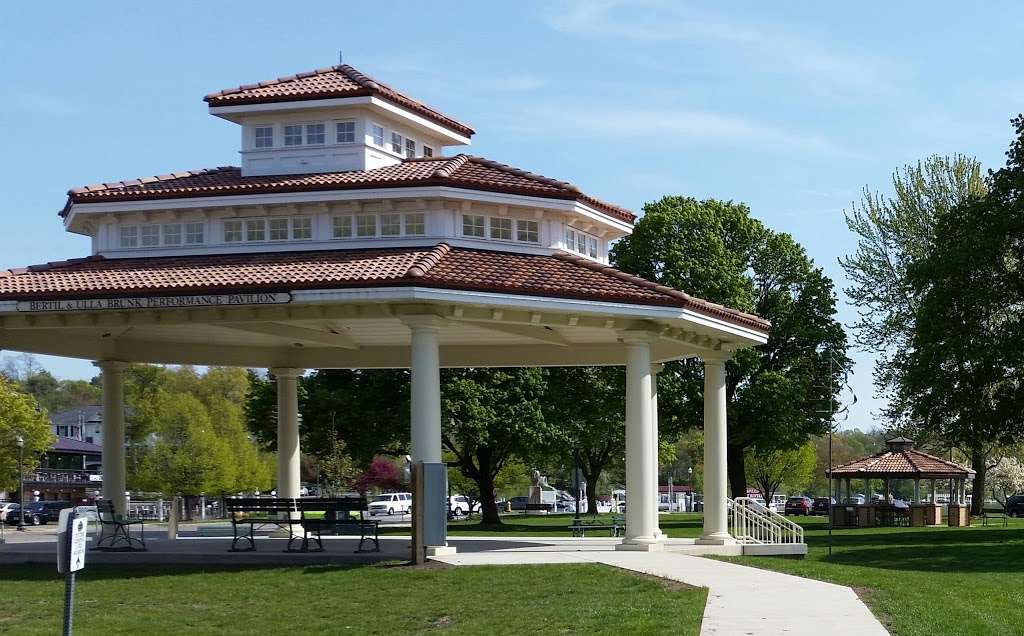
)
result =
(752, 522)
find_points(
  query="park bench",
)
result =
(337, 517)
(994, 512)
(617, 526)
(537, 507)
(115, 530)
(296, 515)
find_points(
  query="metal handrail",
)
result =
(753, 522)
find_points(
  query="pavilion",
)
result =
(347, 240)
(900, 461)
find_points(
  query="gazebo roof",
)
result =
(900, 460)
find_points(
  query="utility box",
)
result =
(429, 507)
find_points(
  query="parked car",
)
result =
(461, 506)
(822, 504)
(1015, 506)
(43, 512)
(856, 500)
(391, 503)
(89, 512)
(9, 511)
(518, 503)
(799, 506)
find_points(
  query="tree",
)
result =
(490, 416)
(960, 379)
(1006, 479)
(20, 416)
(590, 423)
(717, 251)
(337, 467)
(893, 233)
(382, 474)
(846, 446)
(775, 468)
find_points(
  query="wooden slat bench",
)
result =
(337, 517)
(301, 515)
(260, 511)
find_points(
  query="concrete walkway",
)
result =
(742, 600)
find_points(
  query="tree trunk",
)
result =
(978, 463)
(488, 509)
(591, 496)
(737, 471)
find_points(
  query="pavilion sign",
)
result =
(155, 302)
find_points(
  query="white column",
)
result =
(288, 477)
(655, 370)
(641, 475)
(716, 516)
(113, 434)
(426, 388)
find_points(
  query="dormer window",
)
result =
(428, 151)
(129, 236)
(232, 231)
(302, 228)
(150, 235)
(366, 225)
(315, 135)
(390, 224)
(581, 243)
(264, 137)
(345, 132)
(396, 143)
(410, 148)
(278, 230)
(172, 234)
(527, 231)
(293, 135)
(194, 233)
(378, 135)
(473, 225)
(256, 230)
(501, 229)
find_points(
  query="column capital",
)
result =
(715, 357)
(657, 368)
(110, 365)
(286, 372)
(638, 336)
(431, 322)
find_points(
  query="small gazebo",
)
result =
(900, 461)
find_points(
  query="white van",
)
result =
(392, 503)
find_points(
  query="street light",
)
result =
(20, 441)
(689, 478)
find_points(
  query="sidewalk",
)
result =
(741, 600)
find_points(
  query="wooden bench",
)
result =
(261, 511)
(994, 513)
(615, 528)
(115, 530)
(337, 516)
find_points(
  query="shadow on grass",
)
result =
(857, 537)
(959, 559)
(34, 572)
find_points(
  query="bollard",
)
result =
(172, 520)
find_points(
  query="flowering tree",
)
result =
(1007, 478)
(382, 474)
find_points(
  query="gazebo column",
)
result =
(932, 480)
(716, 516)
(655, 370)
(849, 488)
(113, 434)
(917, 490)
(288, 457)
(641, 472)
(425, 405)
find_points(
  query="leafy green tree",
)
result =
(846, 446)
(20, 416)
(715, 250)
(490, 416)
(585, 407)
(960, 379)
(894, 232)
(790, 468)
(337, 467)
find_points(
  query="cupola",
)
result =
(333, 119)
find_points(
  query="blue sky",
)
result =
(790, 107)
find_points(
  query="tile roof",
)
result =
(440, 266)
(905, 462)
(72, 445)
(325, 83)
(460, 171)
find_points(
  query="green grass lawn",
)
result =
(381, 599)
(925, 581)
(676, 525)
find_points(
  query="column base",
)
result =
(641, 545)
(441, 550)
(716, 538)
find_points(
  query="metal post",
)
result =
(831, 425)
(20, 441)
(576, 485)
(69, 602)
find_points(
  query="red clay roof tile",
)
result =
(326, 83)
(906, 461)
(461, 171)
(439, 266)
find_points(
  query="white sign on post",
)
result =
(71, 542)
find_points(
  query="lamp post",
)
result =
(20, 441)
(689, 479)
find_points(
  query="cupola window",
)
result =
(396, 143)
(194, 233)
(264, 137)
(345, 132)
(315, 135)
(472, 225)
(293, 135)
